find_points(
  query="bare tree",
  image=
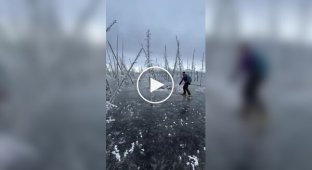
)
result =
(125, 77)
(193, 64)
(111, 25)
(177, 57)
(117, 59)
(122, 55)
(180, 60)
(111, 64)
(202, 68)
(166, 59)
(148, 50)
(118, 66)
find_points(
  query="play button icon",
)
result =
(155, 85)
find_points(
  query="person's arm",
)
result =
(181, 81)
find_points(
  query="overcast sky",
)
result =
(255, 16)
(166, 19)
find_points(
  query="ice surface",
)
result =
(157, 128)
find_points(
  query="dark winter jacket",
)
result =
(186, 78)
(253, 64)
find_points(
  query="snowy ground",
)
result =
(141, 136)
(170, 135)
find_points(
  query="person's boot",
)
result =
(189, 93)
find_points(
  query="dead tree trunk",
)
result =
(124, 78)
(122, 55)
(202, 69)
(166, 62)
(111, 64)
(177, 59)
(193, 64)
(118, 66)
(117, 59)
(111, 25)
(148, 51)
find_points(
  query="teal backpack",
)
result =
(261, 65)
(189, 79)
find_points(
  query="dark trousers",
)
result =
(251, 89)
(185, 89)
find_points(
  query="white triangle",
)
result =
(154, 85)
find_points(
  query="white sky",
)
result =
(254, 18)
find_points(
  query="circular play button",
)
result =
(155, 85)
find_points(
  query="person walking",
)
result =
(187, 81)
(254, 68)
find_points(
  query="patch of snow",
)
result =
(180, 158)
(116, 153)
(110, 105)
(194, 161)
(110, 120)
(132, 147)
(126, 153)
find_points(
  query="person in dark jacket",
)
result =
(187, 81)
(254, 67)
